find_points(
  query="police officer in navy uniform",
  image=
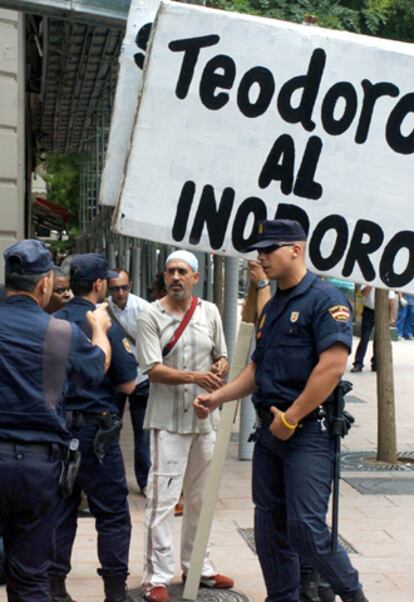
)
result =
(39, 357)
(101, 476)
(304, 336)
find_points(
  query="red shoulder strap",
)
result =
(182, 326)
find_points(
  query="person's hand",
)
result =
(277, 428)
(256, 271)
(99, 318)
(203, 405)
(208, 380)
(220, 367)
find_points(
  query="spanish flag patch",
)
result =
(340, 313)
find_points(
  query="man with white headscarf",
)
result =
(183, 351)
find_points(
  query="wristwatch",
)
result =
(262, 284)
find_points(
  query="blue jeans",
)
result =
(106, 489)
(291, 488)
(137, 406)
(405, 321)
(29, 510)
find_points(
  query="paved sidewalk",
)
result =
(379, 527)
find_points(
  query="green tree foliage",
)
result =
(62, 179)
(386, 18)
(400, 23)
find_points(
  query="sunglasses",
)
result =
(275, 247)
(60, 290)
(117, 289)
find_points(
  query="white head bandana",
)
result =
(186, 256)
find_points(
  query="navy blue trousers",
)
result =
(106, 489)
(2, 561)
(137, 406)
(29, 511)
(367, 325)
(291, 488)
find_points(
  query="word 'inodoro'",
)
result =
(353, 245)
(256, 89)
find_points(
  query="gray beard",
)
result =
(181, 294)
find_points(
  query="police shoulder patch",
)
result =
(127, 345)
(340, 313)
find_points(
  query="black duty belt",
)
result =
(45, 449)
(78, 420)
(266, 417)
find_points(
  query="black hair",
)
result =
(158, 280)
(80, 288)
(23, 282)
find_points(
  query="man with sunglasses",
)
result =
(303, 338)
(125, 308)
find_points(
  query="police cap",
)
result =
(90, 267)
(273, 231)
(28, 257)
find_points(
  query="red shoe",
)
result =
(214, 581)
(157, 593)
(179, 509)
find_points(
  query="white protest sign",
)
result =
(242, 118)
(140, 17)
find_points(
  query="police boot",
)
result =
(325, 591)
(58, 591)
(309, 587)
(358, 596)
(116, 589)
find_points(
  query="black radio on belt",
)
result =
(110, 426)
(70, 468)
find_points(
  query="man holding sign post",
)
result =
(303, 339)
(183, 351)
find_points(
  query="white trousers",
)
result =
(179, 462)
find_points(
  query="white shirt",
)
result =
(128, 318)
(369, 299)
(170, 407)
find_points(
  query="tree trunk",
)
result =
(387, 439)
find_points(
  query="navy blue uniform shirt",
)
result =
(39, 357)
(123, 366)
(294, 328)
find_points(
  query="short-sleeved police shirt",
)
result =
(123, 366)
(291, 334)
(40, 357)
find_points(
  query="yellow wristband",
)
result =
(287, 424)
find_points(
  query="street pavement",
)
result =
(379, 527)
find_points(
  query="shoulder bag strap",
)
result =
(182, 326)
(113, 317)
